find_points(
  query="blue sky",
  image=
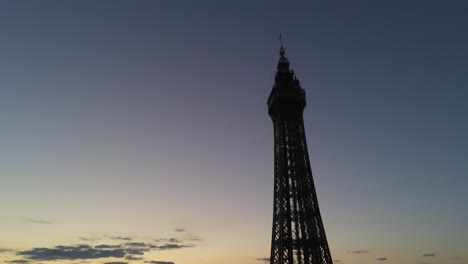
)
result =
(135, 118)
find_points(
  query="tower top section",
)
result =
(283, 63)
(287, 96)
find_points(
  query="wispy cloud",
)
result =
(181, 239)
(130, 257)
(263, 259)
(18, 261)
(336, 260)
(5, 250)
(121, 238)
(382, 259)
(430, 255)
(173, 246)
(176, 243)
(37, 221)
(362, 251)
(159, 262)
(89, 239)
(193, 238)
(116, 262)
(170, 240)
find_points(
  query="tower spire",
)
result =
(283, 63)
(282, 50)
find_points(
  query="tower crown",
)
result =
(287, 96)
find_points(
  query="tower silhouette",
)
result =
(298, 235)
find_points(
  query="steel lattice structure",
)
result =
(298, 235)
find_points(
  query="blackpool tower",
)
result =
(298, 235)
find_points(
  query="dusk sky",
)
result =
(137, 131)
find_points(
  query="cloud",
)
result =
(136, 244)
(382, 259)
(359, 251)
(421, 262)
(103, 246)
(179, 240)
(171, 240)
(336, 260)
(88, 239)
(456, 257)
(194, 238)
(137, 251)
(174, 240)
(263, 259)
(121, 238)
(133, 250)
(130, 257)
(36, 221)
(176, 243)
(116, 262)
(180, 230)
(71, 253)
(430, 255)
(159, 262)
(5, 250)
(18, 261)
(173, 246)
(138, 248)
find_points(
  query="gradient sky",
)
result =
(146, 122)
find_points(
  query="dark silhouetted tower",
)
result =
(298, 235)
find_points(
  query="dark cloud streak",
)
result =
(71, 253)
(36, 221)
(18, 261)
(159, 262)
(363, 251)
(121, 238)
(88, 239)
(130, 257)
(173, 246)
